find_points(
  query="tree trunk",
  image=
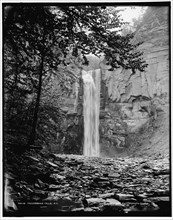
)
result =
(35, 117)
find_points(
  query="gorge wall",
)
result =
(139, 103)
(134, 114)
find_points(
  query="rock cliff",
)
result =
(135, 107)
(141, 91)
(142, 99)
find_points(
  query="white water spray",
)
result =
(91, 109)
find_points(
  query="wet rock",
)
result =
(88, 209)
(113, 202)
(105, 184)
(143, 207)
(52, 164)
(149, 194)
(72, 163)
(72, 177)
(97, 208)
(87, 196)
(107, 163)
(146, 179)
(105, 174)
(113, 205)
(33, 158)
(79, 203)
(53, 187)
(161, 199)
(107, 195)
(162, 193)
(118, 186)
(139, 197)
(77, 209)
(93, 184)
(114, 175)
(124, 197)
(162, 172)
(100, 179)
(83, 187)
(95, 201)
(146, 166)
(58, 177)
(40, 184)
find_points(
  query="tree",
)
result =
(42, 38)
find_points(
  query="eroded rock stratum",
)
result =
(141, 100)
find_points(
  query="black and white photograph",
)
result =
(86, 109)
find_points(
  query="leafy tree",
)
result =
(41, 39)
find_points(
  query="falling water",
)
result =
(91, 110)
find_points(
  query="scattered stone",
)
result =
(58, 177)
(88, 196)
(104, 183)
(127, 210)
(95, 201)
(107, 195)
(53, 187)
(97, 209)
(100, 179)
(140, 197)
(40, 184)
(144, 207)
(113, 202)
(124, 197)
(162, 193)
(78, 186)
(108, 163)
(33, 158)
(114, 175)
(146, 179)
(78, 209)
(52, 164)
(40, 193)
(162, 172)
(161, 199)
(88, 209)
(146, 166)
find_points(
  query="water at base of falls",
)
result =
(91, 109)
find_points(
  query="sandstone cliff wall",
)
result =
(140, 101)
(143, 92)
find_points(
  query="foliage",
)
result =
(40, 41)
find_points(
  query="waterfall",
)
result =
(91, 109)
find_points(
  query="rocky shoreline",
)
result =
(74, 185)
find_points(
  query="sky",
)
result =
(132, 12)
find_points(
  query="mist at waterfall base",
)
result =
(91, 109)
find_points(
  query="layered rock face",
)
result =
(137, 99)
(142, 93)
